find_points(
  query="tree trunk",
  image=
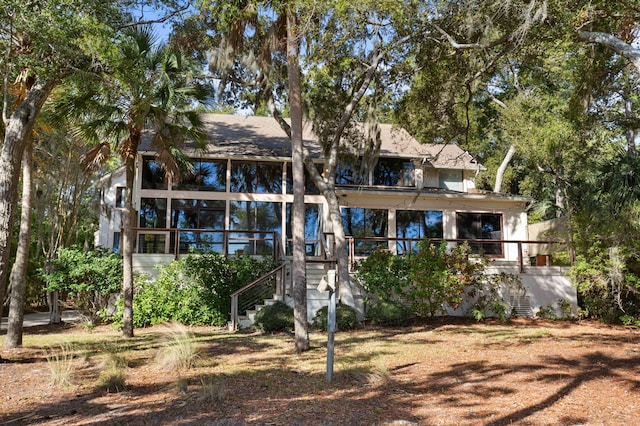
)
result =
(128, 243)
(345, 290)
(18, 127)
(630, 132)
(19, 270)
(298, 268)
(503, 168)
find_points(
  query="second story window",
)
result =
(351, 173)
(256, 176)
(393, 172)
(153, 175)
(207, 175)
(121, 196)
(451, 179)
(153, 213)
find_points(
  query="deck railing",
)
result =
(361, 247)
(270, 284)
(178, 242)
(267, 243)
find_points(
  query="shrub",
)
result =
(88, 276)
(195, 290)
(61, 365)
(383, 274)
(179, 351)
(388, 313)
(486, 299)
(346, 318)
(111, 378)
(276, 317)
(609, 286)
(547, 312)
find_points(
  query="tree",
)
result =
(297, 147)
(148, 90)
(19, 270)
(42, 44)
(335, 37)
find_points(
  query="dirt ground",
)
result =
(449, 372)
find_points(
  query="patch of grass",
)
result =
(213, 391)
(179, 351)
(111, 378)
(61, 365)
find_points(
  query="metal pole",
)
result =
(331, 330)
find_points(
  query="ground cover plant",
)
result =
(445, 371)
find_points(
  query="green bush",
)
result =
(276, 317)
(603, 297)
(388, 313)
(383, 274)
(89, 277)
(434, 279)
(195, 290)
(346, 318)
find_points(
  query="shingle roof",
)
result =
(238, 136)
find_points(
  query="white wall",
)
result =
(110, 219)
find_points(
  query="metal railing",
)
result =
(258, 291)
(179, 241)
(360, 247)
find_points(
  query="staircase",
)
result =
(315, 298)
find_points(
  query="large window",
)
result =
(451, 179)
(199, 214)
(152, 243)
(153, 213)
(393, 172)
(312, 229)
(256, 177)
(351, 173)
(207, 175)
(153, 174)
(481, 226)
(254, 217)
(413, 226)
(121, 197)
(362, 223)
(309, 187)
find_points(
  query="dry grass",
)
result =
(61, 365)
(179, 350)
(448, 373)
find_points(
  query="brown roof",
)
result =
(239, 136)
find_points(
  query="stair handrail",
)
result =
(280, 290)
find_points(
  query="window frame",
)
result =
(496, 249)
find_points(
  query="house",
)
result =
(238, 200)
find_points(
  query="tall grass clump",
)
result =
(61, 365)
(112, 378)
(180, 350)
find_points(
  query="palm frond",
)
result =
(97, 156)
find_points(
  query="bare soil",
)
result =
(447, 372)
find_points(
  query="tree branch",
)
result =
(613, 42)
(482, 45)
(155, 21)
(348, 111)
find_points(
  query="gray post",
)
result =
(331, 323)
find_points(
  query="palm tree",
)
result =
(150, 92)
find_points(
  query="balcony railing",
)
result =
(225, 242)
(267, 243)
(360, 247)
